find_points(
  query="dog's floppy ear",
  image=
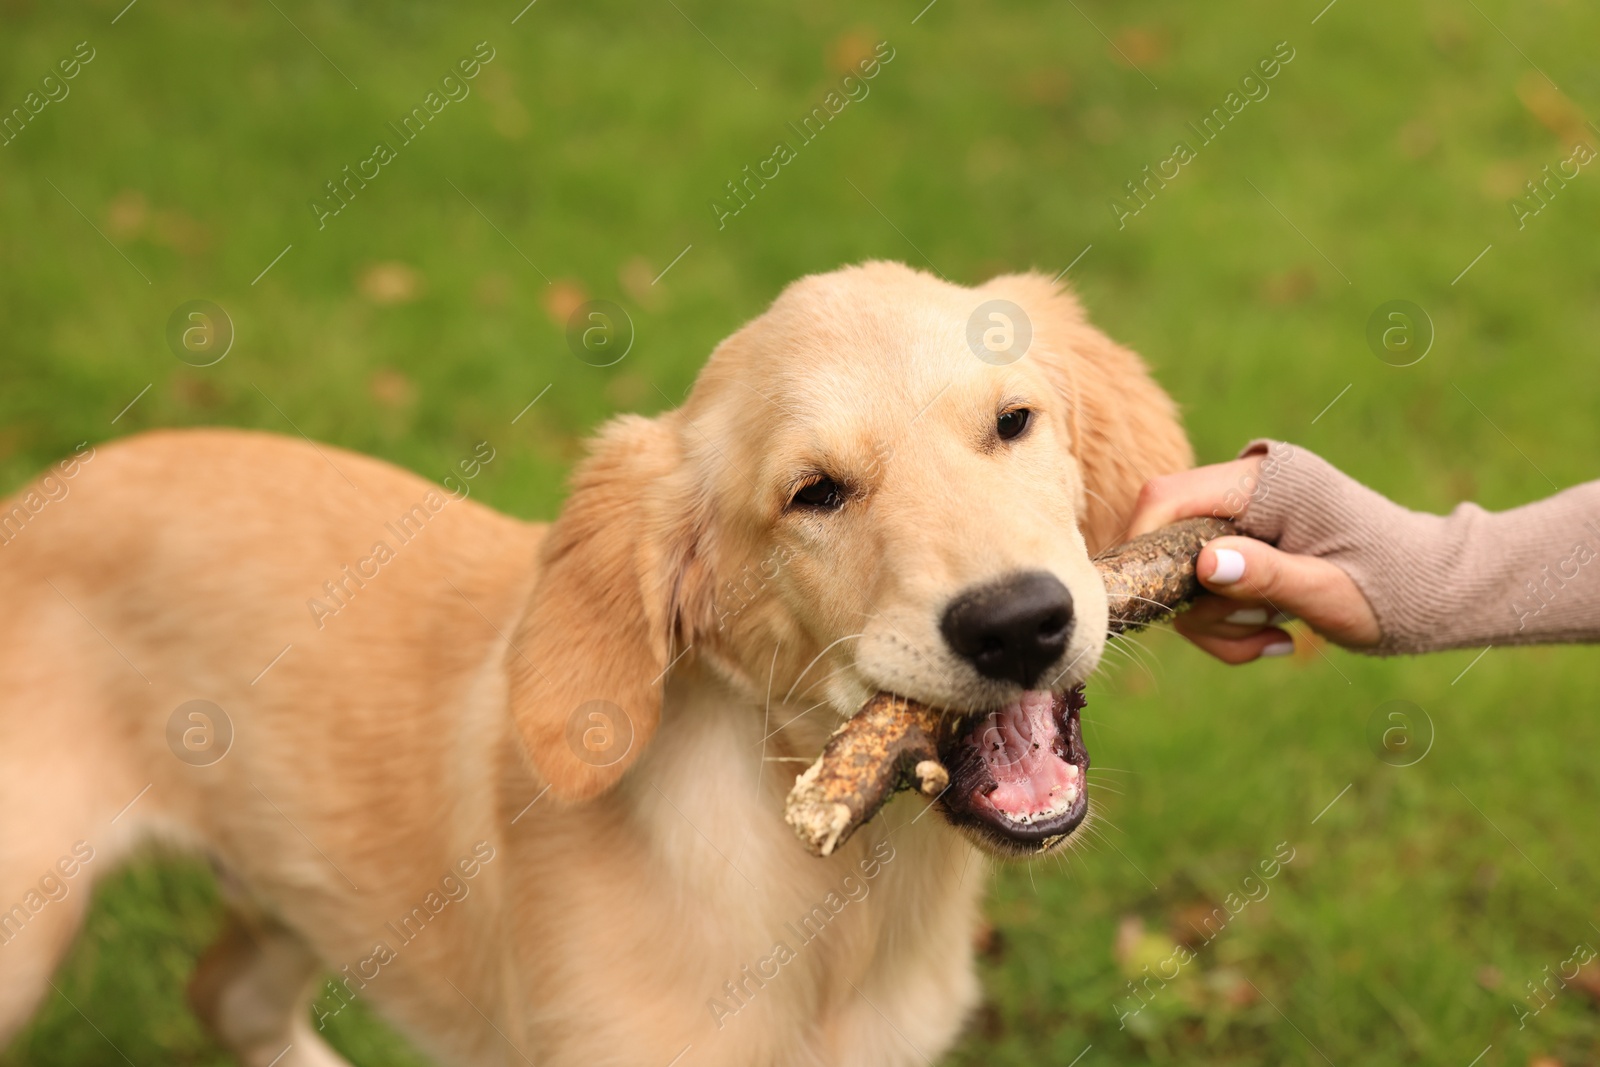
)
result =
(589, 655)
(1125, 428)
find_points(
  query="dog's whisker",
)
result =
(909, 645)
(1133, 648)
(830, 676)
(1118, 650)
(1137, 648)
(796, 719)
(1110, 667)
(1132, 652)
(1069, 666)
(1109, 506)
(1112, 645)
(801, 677)
(1168, 608)
(1169, 631)
(767, 719)
(1128, 641)
(1092, 839)
(1113, 825)
(1091, 825)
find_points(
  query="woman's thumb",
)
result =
(1242, 568)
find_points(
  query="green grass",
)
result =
(994, 140)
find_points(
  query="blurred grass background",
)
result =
(428, 313)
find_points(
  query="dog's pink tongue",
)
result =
(1019, 747)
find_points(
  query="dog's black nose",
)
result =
(1011, 629)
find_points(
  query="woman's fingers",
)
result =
(1235, 631)
(1221, 489)
(1268, 642)
(1255, 586)
(1252, 574)
(1220, 617)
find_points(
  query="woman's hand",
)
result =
(1255, 587)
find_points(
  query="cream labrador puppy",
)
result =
(518, 787)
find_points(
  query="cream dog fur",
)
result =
(416, 799)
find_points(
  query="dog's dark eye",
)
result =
(824, 494)
(1010, 424)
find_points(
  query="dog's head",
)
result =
(885, 482)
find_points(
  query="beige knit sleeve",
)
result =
(1471, 578)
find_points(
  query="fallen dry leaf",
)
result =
(126, 213)
(391, 388)
(850, 48)
(562, 298)
(1551, 107)
(390, 282)
(1292, 286)
(1142, 47)
(1587, 980)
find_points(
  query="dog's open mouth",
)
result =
(1019, 773)
(1014, 776)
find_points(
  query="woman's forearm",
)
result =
(1470, 578)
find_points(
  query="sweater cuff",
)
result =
(1435, 582)
(1303, 504)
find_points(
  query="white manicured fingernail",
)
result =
(1248, 617)
(1230, 567)
(1279, 648)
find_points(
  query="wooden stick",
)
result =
(1151, 577)
(889, 745)
(892, 742)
